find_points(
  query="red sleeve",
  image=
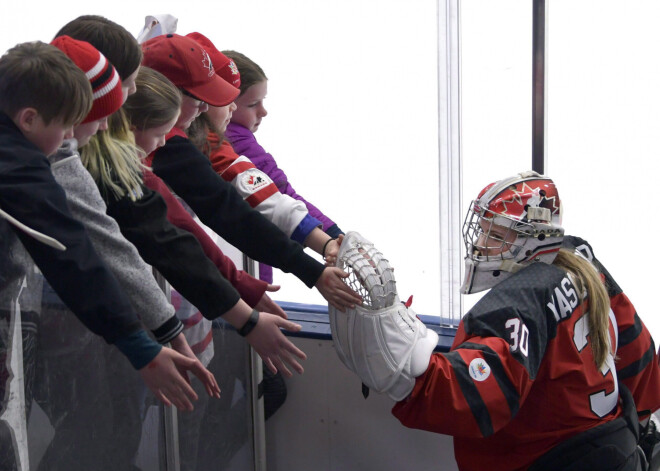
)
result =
(250, 288)
(229, 165)
(636, 359)
(222, 155)
(445, 398)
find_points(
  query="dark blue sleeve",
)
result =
(306, 226)
(29, 192)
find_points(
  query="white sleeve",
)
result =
(259, 191)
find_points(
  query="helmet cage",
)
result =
(498, 245)
(489, 236)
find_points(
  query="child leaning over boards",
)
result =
(291, 216)
(207, 133)
(42, 95)
(245, 121)
(82, 429)
(189, 173)
(152, 111)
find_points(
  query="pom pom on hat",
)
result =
(105, 81)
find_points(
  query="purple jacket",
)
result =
(244, 143)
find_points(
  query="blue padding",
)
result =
(315, 323)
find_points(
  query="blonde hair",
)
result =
(114, 160)
(156, 100)
(586, 278)
(112, 157)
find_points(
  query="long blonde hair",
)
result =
(114, 160)
(586, 278)
(112, 157)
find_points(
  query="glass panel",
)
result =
(17, 345)
(496, 96)
(603, 126)
(83, 401)
(218, 434)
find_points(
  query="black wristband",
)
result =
(250, 324)
(325, 246)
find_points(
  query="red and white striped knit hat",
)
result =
(105, 81)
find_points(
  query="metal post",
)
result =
(449, 159)
(256, 376)
(169, 454)
(539, 89)
(14, 413)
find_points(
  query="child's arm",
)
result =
(259, 191)
(134, 276)
(29, 192)
(245, 143)
(262, 194)
(252, 290)
(190, 175)
(175, 253)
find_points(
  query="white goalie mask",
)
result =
(382, 340)
(512, 223)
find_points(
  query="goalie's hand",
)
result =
(273, 347)
(335, 291)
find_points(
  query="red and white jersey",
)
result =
(520, 377)
(255, 186)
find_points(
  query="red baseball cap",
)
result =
(224, 66)
(189, 66)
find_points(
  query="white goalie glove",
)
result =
(382, 341)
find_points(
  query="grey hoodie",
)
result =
(133, 274)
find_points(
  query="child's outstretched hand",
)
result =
(273, 347)
(331, 251)
(268, 305)
(163, 378)
(180, 344)
(335, 291)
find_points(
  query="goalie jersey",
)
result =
(520, 377)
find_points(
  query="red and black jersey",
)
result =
(636, 355)
(520, 377)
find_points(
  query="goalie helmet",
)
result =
(382, 340)
(512, 223)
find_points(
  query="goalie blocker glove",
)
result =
(382, 340)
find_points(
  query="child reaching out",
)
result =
(245, 121)
(36, 114)
(207, 133)
(191, 176)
